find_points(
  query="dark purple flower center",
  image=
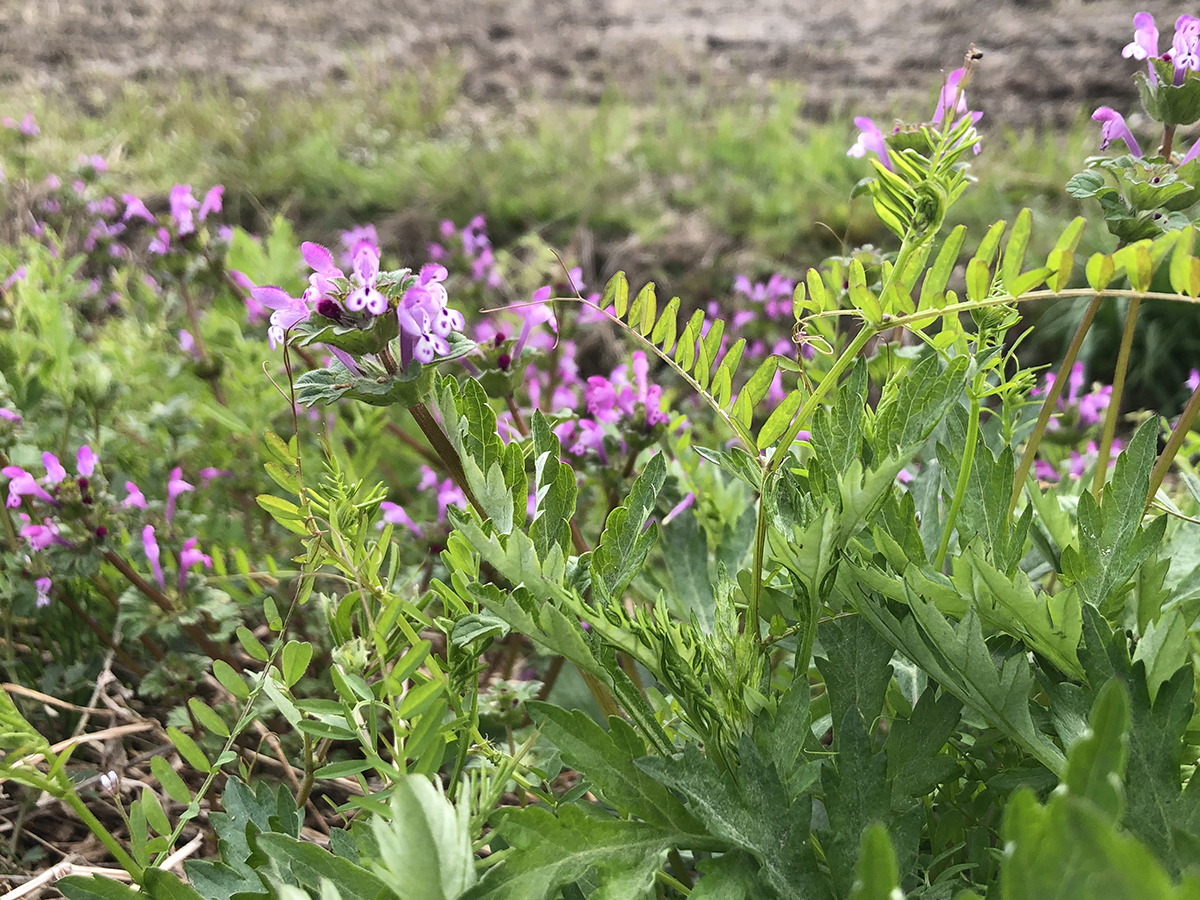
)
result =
(329, 309)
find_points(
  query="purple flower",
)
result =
(150, 546)
(135, 208)
(1093, 405)
(29, 126)
(54, 469)
(1045, 471)
(40, 536)
(869, 138)
(9, 416)
(1185, 46)
(12, 279)
(1114, 128)
(679, 507)
(1191, 154)
(394, 514)
(182, 205)
(355, 239)
(176, 486)
(425, 319)
(448, 494)
(1193, 380)
(160, 244)
(289, 311)
(365, 295)
(85, 461)
(951, 95)
(537, 313)
(135, 497)
(209, 473)
(187, 343)
(43, 586)
(1145, 38)
(211, 202)
(190, 556)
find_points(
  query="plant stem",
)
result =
(1182, 427)
(760, 541)
(1114, 403)
(105, 837)
(964, 476)
(445, 450)
(1168, 139)
(1043, 420)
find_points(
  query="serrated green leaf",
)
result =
(624, 544)
(1096, 762)
(309, 864)
(915, 764)
(424, 834)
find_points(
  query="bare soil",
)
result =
(1044, 59)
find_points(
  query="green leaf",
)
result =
(170, 780)
(644, 310)
(624, 544)
(156, 818)
(915, 763)
(95, 887)
(551, 852)
(426, 837)
(779, 420)
(188, 749)
(1100, 271)
(664, 332)
(616, 293)
(308, 863)
(254, 649)
(230, 679)
(159, 884)
(855, 667)
(1096, 763)
(208, 717)
(1112, 543)
(752, 812)
(686, 555)
(295, 659)
(933, 288)
(1014, 250)
(606, 760)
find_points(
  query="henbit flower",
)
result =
(355, 239)
(29, 126)
(537, 313)
(366, 295)
(190, 556)
(54, 469)
(1114, 128)
(1045, 471)
(160, 244)
(176, 486)
(150, 547)
(1145, 39)
(679, 507)
(288, 312)
(135, 499)
(43, 586)
(211, 202)
(9, 416)
(85, 461)
(182, 205)
(40, 536)
(1185, 46)
(425, 318)
(448, 493)
(12, 279)
(209, 473)
(869, 138)
(187, 343)
(1193, 380)
(1093, 405)
(394, 514)
(135, 208)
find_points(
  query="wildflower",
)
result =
(109, 782)
(366, 295)
(160, 244)
(869, 138)
(537, 313)
(1185, 46)
(210, 473)
(135, 498)
(211, 202)
(40, 536)
(182, 204)
(54, 469)
(448, 493)
(355, 239)
(679, 507)
(1192, 383)
(175, 486)
(1045, 471)
(187, 343)
(135, 208)
(43, 586)
(9, 416)
(288, 311)
(1114, 128)
(1145, 39)
(190, 556)
(394, 514)
(425, 319)
(150, 547)
(29, 126)
(12, 279)
(775, 295)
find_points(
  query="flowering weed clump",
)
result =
(819, 591)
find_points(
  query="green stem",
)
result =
(1043, 420)
(105, 837)
(1114, 403)
(810, 405)
(1182, 427)
(964, 475)
(760, 541)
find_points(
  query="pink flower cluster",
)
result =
(1086, 409)
(475, 246)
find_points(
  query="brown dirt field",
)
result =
(1044, 59)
